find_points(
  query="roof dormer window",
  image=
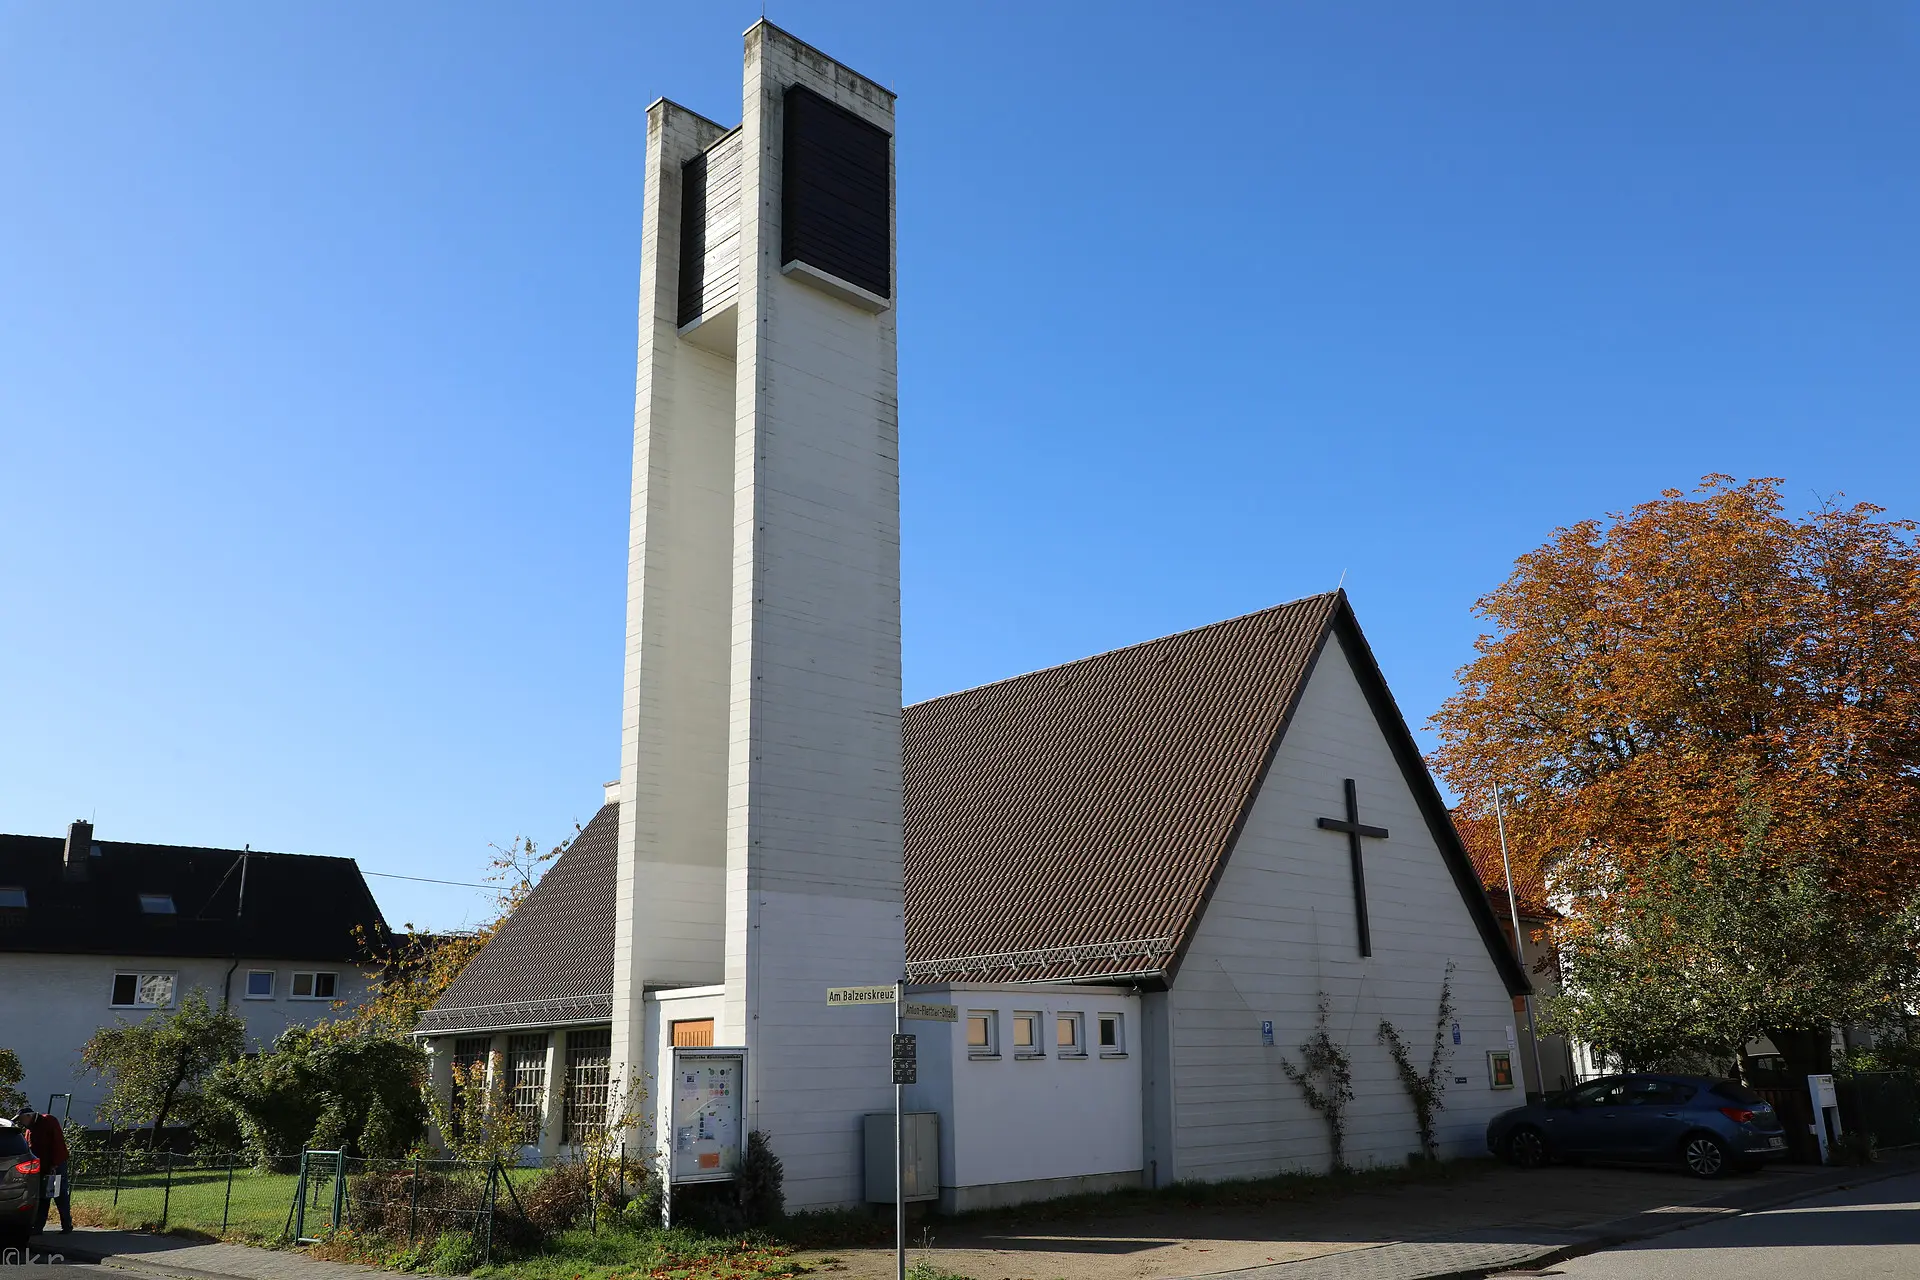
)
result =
(156, 904)
(12, 895)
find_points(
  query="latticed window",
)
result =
(527, 1078)
(588, 1083)
(469, 1071)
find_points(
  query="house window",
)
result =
(588, 1084)
(142, 990)
(1113, 1040)
(692, 1033)
(12, 896)
(470, 1055)
(260, 984)
(983, 1034)
(1026, 1036)
(527, 1079)
(1068, 1035)
(314, 986)
(157, 904)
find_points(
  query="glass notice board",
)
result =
(708, 1087)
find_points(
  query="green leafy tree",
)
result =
(362, 1094)
(1694, 954)
(11, 1073)
(155, 1068)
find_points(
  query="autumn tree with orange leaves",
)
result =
(1653, 678)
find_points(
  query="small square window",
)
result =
(260, 984)
(1026, 1036)
(142, 990)
(1068, 1030)
(157, 904)
(983, 1040)
(12, 896)
(1113, 1040)
(313, 986)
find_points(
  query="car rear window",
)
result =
(12, 1143)
(1734, 1091)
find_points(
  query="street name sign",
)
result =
(860, 995)
(930, 1012)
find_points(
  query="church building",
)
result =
(1134, 879)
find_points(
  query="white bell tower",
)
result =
(760, 754)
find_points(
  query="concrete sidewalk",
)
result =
(1472, 1255)
(183, 1259)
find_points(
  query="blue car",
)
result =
(1712, 1127)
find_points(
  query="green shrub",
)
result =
(319, 1091)
(762, 1183)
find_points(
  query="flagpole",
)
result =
(1519, 948)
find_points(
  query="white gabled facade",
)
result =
(1279, 929)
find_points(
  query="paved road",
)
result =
(1862, 1234)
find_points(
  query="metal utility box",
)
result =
(920, 1154)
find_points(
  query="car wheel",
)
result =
(1527, 1148)
(1705, 1156)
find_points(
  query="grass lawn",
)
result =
(197, 1201)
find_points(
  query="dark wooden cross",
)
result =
(1355, 828)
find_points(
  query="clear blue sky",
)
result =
(317, 331)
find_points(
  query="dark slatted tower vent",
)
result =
(693, 238)
(834, 193)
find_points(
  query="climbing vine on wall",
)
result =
(1425, 1088)
(1325, 1078)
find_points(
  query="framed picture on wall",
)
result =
(1500, 1068)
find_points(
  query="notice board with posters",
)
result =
(705, 1134)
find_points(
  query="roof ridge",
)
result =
(189, 848)
(1138, 644)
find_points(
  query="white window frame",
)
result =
(1118, 1049)
(1077, 1049)
(140, 981)
(313, 977)
(1038, 1049)
(992, 1048)
(247, 992)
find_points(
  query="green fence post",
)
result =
(339, 1186)
(166, 1198)
(226, 1210)
(493, 1191)
(413, 1201)
(119, 1163)
(300, 1202)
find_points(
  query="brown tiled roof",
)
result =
(1087, 807)
(551, 963)
(1068, 823)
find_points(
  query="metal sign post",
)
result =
(900, 1134)
(905, 1072)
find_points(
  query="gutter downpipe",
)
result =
(1519, 947)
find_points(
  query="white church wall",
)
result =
(1014, 1128)
(1280, 929)
(670, 885)
(813, 803)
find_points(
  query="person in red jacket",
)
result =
(49, 1143)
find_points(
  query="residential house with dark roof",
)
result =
(95, 930)
(1134, 876)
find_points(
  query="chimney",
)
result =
(79, 847)
(613, 791)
